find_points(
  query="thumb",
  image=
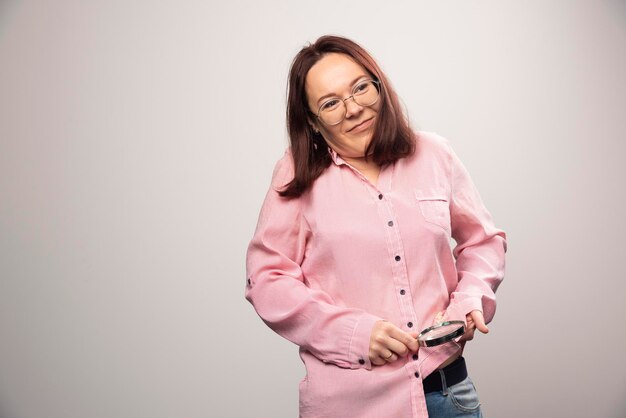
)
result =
(479, 321)
(414, 344)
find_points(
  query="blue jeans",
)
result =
(460, 400)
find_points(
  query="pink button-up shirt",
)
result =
(324, 267)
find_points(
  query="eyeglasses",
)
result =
(333, 111)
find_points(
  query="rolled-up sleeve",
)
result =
(277, 288)
(480, 246)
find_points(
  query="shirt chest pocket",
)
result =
(434, 206)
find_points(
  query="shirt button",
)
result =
(398, 258)
(402, 291)
(390, 223)
(361, 361)
(414, 356)
(410, 325)
(417, 374)
(380, 197)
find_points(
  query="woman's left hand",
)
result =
(475, 321)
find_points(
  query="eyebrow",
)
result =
(335, 94)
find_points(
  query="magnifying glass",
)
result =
(441, 333)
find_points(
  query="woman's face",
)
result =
(335, 75)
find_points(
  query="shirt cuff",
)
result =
(360, 342)
(459, 310)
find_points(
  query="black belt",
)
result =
(455, 372)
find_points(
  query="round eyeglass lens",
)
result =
(333, 111)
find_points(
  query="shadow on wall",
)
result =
(616, 10)
(7, 9)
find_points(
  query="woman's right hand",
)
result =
(386, 338)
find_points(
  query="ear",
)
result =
(313, 125)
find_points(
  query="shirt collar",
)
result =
(335, 157)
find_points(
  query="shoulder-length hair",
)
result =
(392, 138)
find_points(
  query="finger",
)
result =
(416, 344)
(384, 348)
(378, 361)
(469, 329)
(468, 336)
(479, 320)
(398, 347)
(381, 355)
(469, 322)
(389, 356)
(404, 338)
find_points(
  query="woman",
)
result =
(351, 256)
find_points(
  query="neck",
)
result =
(360, 164)
(369, 169)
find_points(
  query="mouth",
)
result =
(361, 126)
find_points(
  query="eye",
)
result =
(330, 104)
(362, 87)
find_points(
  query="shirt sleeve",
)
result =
(480, 246)
(277, 288)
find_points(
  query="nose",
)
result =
(352, 107)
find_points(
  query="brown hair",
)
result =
(392, 137)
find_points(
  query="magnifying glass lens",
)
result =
(441, 333)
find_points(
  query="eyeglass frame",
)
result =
(378, 88)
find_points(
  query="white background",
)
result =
(137, 140)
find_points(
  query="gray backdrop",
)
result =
(137, 140)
